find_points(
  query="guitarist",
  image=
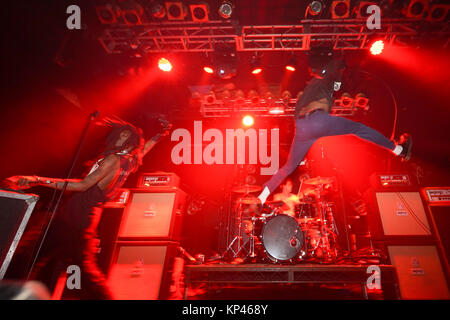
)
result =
(73, 234)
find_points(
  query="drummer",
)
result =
(287, 197)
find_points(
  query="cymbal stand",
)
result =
(238, 237)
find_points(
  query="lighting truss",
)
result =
(229, 108)
(348, 34)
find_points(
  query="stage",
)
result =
(264, 275)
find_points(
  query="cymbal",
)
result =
(247, 188)
(249, 200)
(318, 180)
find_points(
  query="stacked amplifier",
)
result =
(403, 225)
(147, 238)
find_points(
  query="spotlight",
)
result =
(199, 12)
(225, 62)
(346, 99)
(290, 66)
(438, 12)
(276, 110)
(158, 11)
(340, 9)
(106, 14)
(286, 96)
(210, 98)
(208, 69)
(175, 10)
(248, 121)
(255, 65)
(417, 8)
(361, 9)
(253, 96)
(226, 9)
(377, 47)
(164, 65)
(361, 101)
(315, 7)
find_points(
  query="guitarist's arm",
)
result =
(153, 141)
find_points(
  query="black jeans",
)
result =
(65, 246)
(317, 125)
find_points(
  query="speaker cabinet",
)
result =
(142, 270)
(402, 214)
(419, 271)
(15, 211)
(153, 215)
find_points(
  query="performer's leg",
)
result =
(342, 126)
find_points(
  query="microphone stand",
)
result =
(91, 118)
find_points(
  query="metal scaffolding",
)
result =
(348, 34)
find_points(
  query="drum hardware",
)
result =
(247, 189)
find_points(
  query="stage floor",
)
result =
(289, 279)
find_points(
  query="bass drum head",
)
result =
(282, 237)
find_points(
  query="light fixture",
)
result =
(292, 64)
(417, 8)
(106, 14)
(158, 11)
(248, 121)
(438, 12)
(255, 65)
(208, 69)
(225, 61)
(377, 47)
(164, 65)
(199, 12)
(315, 8)
(360, 10)
(346, 100)
(361, 101)
(226, 9)
(175, 10)
(340, 9)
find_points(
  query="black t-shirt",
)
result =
(317, 88)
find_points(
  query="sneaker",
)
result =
(405, 141)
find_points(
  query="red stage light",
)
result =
(248, 121)
(377, 47)
(164, 65)
(256, 70)
(290, 68)
(208, 69)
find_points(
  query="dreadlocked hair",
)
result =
(135, 141)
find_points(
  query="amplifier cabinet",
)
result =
(15, 211)
(154, 214)
(399, 214)
(141, 270)
(420, 271)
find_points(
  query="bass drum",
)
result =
(281, 237)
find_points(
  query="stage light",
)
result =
(315, 7)
(106, 14)
(276, 110)
(164, 65)
(175, 10)
(291, 65)
(360, 10)
(361, 101)
(438, 12)
(158, 11)
(226, 9)
(208, 69)
(199, 12)
(377, 47)
(417, 8)
(340, 9)
(255, 65)
(346, 99)
(253, 96)
(286, 96)
(248, 121)
(225, 62)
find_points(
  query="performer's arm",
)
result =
(153, 141)
(106, 166)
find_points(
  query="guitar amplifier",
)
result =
(153, 214)
(15, 211)
(158, 179)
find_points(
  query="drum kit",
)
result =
(271, 233)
